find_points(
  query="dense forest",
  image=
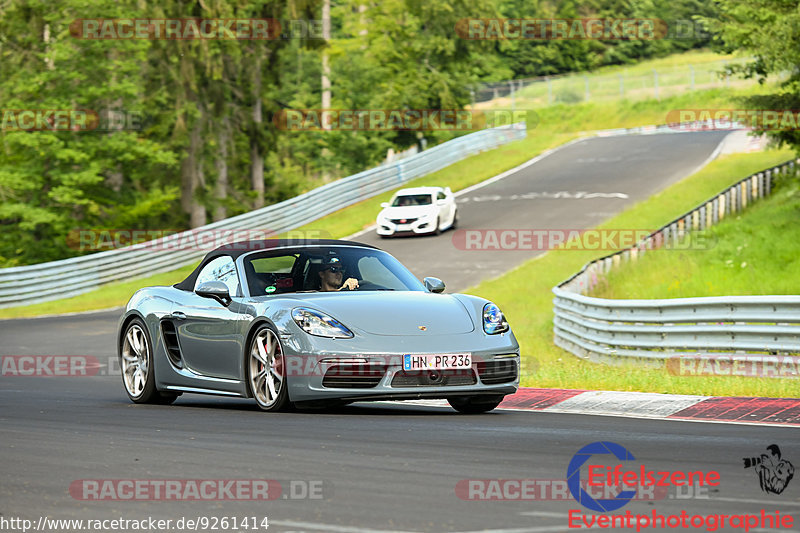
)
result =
(174, 133)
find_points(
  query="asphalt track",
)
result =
(375, 467)
(576, 187)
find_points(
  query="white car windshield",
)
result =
(412, 199)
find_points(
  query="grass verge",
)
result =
(525, 296)
(755, 252)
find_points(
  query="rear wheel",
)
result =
(472, 405)
(266, 371)
(136, 363)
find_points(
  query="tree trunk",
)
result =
(326, 79)
(191, 178)
(221, 187)
(256, 157)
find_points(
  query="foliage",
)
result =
(203, 145)
(767, 31)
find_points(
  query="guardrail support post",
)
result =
(744, 194)
(768, 181)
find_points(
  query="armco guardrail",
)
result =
(652, 331)
(68, 277)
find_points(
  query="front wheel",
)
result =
(266, 371)
(473, 405)
(437, 231)
(136, 363)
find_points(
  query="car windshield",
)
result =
(412, 199)
(301, 270)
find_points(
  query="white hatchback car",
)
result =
(417, 211)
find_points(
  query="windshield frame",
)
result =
(403, 274)
(431, 200)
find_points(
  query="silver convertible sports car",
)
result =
(314, 323)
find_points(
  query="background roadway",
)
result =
(634, 167)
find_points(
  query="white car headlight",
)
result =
(493, 320)
(319, 324)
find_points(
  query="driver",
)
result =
(331, 276)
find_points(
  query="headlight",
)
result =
(493, 320)
(319, 324)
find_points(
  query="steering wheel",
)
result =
(370, 286)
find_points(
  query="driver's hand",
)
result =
(351, 284)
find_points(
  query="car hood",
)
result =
(412, 211)
(393, 313)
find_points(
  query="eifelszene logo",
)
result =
(628, 479)
(774, 473)
(574, 476)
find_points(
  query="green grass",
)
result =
(755, 252)
(557, 124)
(634, 82)
(525, 296)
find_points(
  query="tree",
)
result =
(54, 181)
(767, 31)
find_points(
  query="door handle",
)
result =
(179, 315)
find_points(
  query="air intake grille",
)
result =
(497, 371)
(171, 343)
(353, 377)
(439, 378)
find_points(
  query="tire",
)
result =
(455, 221)
(473, 405)
(266, 371)
(437, 231)
(136, 364)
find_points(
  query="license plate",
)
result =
(437, 361)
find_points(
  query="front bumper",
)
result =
(337, 369)
(418, 227)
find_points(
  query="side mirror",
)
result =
(434, 284)
(385, 205)
(216, 290)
